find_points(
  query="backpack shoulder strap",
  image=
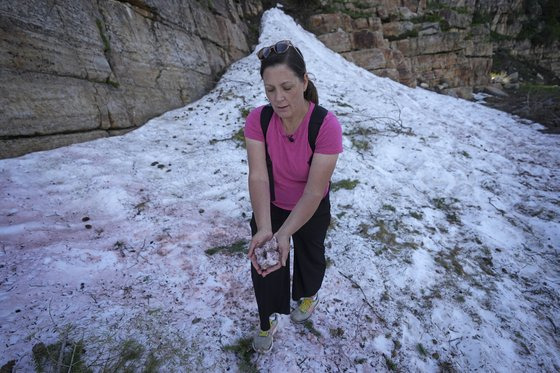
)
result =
(266, 115)
(315, 122)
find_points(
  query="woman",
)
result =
(297, 203)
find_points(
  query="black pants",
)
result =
(273, 291)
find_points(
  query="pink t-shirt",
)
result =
(289, 158)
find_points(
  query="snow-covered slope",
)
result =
(445, 254)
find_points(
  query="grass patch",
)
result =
(450, 261)
(66, 356)
(244, 351)
(347, 184)
(108, 347)
(389, 208)
(336, 332)
(238, 247)
(63, 355)
(382, 234)
(245, 112)
(308, 324)
(396, 347)
(446, 205)
(421, 350)
(239, 137)
(417, 215)
(390, 363)
(540, 88)
(360, 144)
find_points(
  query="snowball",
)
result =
(268, 254)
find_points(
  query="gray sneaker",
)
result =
(305, 309)
(263, 341)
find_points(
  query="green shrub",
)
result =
(344, 184)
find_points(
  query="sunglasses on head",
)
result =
(280, 47)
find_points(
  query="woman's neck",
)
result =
(291, 124)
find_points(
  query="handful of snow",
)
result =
(268, 254)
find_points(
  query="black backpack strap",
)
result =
(315, 122)
(266, 115)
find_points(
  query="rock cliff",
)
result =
(444, 45)
(76, 70)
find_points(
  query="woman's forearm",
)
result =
(302, 212)
(259, 192)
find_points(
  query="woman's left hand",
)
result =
(283, 248)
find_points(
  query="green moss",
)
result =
(360, 5)
(389, 207)
(384, 235)
(104, 39)
(245, 112)
(390, 363)
(444, 25)
(235, 248)
(406, 35)
(428, 17)
(360, 144)
(112, 83)
(336, 332)
(347, 184)
(244, 351)
(481, 18)
(421, 350)
(239, 137)
(496, 37)
(311, 328)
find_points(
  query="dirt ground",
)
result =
(536, 97)
(541, 105)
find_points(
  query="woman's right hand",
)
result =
(259, 239)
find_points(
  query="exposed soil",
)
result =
(536, 96)
(541, 105)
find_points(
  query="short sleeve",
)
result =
(329, 139)
(253, 128)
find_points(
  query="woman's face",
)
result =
(284, 91)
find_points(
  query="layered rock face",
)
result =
(521, 28)
(444, 45)
(436, 45)
(76, 70)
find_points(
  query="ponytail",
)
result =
(311, 93)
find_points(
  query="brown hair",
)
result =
(294, 60)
